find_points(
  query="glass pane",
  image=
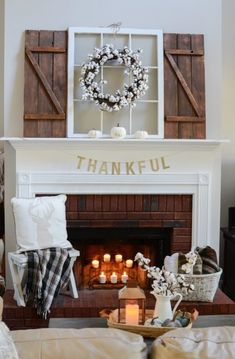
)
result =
(111, 119)
(86, 117)
(148, 43)
(84, 45)
(115, 78)
(144, 117)
(77, 91)
(118, 41)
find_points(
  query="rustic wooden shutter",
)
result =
(45, 92)
(184, 86)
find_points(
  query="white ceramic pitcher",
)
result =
(163, 309)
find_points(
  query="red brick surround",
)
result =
(159, 211)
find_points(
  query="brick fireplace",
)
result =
(178, 204)
(156, 225)
(159, 212)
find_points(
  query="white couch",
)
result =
(89, 343)
(107, 343)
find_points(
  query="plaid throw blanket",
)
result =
(48, 272)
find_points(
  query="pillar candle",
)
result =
(132, 314)
(102, 278)
(129, 263)
(107, 257)
(113, 278)
(118, 258)
(124, 277)
(95, 263)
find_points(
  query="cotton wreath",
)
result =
(94, 91)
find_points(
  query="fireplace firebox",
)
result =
(114, 250)
(155, 225)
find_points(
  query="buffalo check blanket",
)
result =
(48, 272)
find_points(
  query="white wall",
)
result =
(228, 123)
(183, 16)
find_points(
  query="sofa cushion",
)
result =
(95, 343)
(40, 222)
(203, 343)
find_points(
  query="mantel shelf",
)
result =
(44, 144)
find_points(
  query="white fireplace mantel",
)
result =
(22, 143)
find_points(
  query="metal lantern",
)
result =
(132, 299)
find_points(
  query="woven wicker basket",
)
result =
(205, 286)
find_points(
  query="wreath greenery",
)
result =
(94, 90)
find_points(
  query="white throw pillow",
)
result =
(40, 222)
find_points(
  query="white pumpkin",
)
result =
(94, 133)
(118, 132)
(141, 134)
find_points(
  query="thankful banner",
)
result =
(121, 167)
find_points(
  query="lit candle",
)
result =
(113, 278)
(132, 314)
(118, 258)
(124, 277)
(129, 263)
(95, 263)
(102, 278)
(107, 257)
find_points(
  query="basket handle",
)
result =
(178, 302)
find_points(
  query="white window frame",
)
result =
(72, 31)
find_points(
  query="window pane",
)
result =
(148, 44)
(145, 117)
(84, 45)
(111, 119)
(118, 40)
(86, 117)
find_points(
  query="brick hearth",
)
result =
(91, 302)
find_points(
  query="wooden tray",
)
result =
(145, 331)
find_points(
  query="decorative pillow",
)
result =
(40, 222)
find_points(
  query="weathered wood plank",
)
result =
(185, 119)
(60, 81)
(185, 52)
(184, 63)
(198, 84)
(43, 116)
(47, 49)
(44, 71)
(170, 89)
(30, 87)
